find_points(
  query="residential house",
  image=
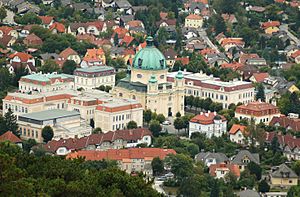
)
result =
(289, 144)
(230, 18)
(92, 77)
(189, 32)
(260, 112)
(292, 122)
(259, 77)
(221, 170)
(9, 136)
(194, 21)
(124, 6)
(57, 27)
(111, 140)
(238, 134)
(209, 158)
(246, 71)
(283, 176)
(5, 30)
(47, 21)
(33, 40)
(228, 43)
(270, 27)
(166, 23)
(20, 59)
(233, 66)
(93, 57)
(249, 193)
(7, 40)
(170, 56)
(210, 123)
(130, 160)
(256, 61)
(134, 24)
(68, 54)
(244, 157)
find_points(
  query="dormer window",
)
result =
(140, 61)
(162, 63)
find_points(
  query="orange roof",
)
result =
(46, 19)
(233, 65)
(121, 154)
(23, 56)
(135, 23)
(194, 17)
(233, 168)
(67, 52)
(58, 26)
(6, 29)
(232, 41)
(94, 54)
(183, 60)
(120, 31)
(206, 118)
(237, 127)
(163, 15)
(127, 39)
(270, 24)
(295, 54)
(257, 106)
(129, 51)
(9, 136)
(260, 77)
(207, 51)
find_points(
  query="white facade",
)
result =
(238, 137)
(214, 127)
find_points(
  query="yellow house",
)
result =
(271, 30)
(271, 27)
(293, 88)
(194, 21)
(283, 176)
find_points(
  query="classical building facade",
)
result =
(205, 86)
(147, 83)
(92, 77)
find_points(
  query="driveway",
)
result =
(157, 186)
(9, 18)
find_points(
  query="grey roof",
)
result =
(284, 171)
(81, 6)
(137, 86)
(46, 56)
(290, 47)
(189, 29)
(95, 69)
(238, 159)
(66, 2)
(248, 193)
(195, 5)
(220, 157)
(127, 18)
(123, 4)
(49, 115)
(139, 8)
(117, 50)
(14, 3)
(137, 29)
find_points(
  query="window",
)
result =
(139, 76)
(162, 76)
(36, 134)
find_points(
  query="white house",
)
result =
(209, 123)
(237, 134)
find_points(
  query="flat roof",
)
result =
(94, 69)
(46, 77)
(117, 102)
(49, 114)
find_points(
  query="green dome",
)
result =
(179, 74)
(149, 58)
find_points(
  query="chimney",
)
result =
(201, 113)
(215, 113)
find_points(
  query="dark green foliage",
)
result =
(157, 166)
(28, 18)
(9, 123)
(131, 125)
(260, 94)
(47, 133)
(3, 13)
(263, 186)
(49, 67)
(255, 169)
(155, 127)
(29, 175)
(68, 67)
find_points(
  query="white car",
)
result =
(166, 122)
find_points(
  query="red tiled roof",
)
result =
(120, 31)
(206, 118)
(23, 56)
(46, 19)
(9, 136)
(237, 127)
(286, 122)
(284, 140)
(121, 154)
(98, 24)
(135, 23)
(244, 57)
(6, 29)
(270, 24)
(260, 77)
(257, 108)
(163, 15)
(233, 65)
(58, 26)
(67, 52)
(237, 41)
(183, 60)
(194, 17)
(295, 54)
(207, 51)
(118, 108)
(233, 168)
(127, 40)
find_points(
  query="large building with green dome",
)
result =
(147, 83)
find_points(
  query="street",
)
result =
(285, 28)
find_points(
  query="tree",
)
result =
(220, 25)
(255, 169)
(19, 72)
(296, 167)
(161, 118)
(193, 186)
(131, 125)
(215, 190)
(116, 39)
(178, 115)
(294, 191)
(155, 128)
(47, 134)
(3, 13)
(181, 165)
(97, 130)
(10, 122)
(260, 92)
(147, 115)
(178, 124)
(263, 186)
(49, 66)
(157, 166)
(28, 18)
(275, 146)
(68, 67)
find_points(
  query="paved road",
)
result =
(203, 35)
(9, 18)
(157, 186)
(285, 28)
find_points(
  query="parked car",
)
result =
(166, 122)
